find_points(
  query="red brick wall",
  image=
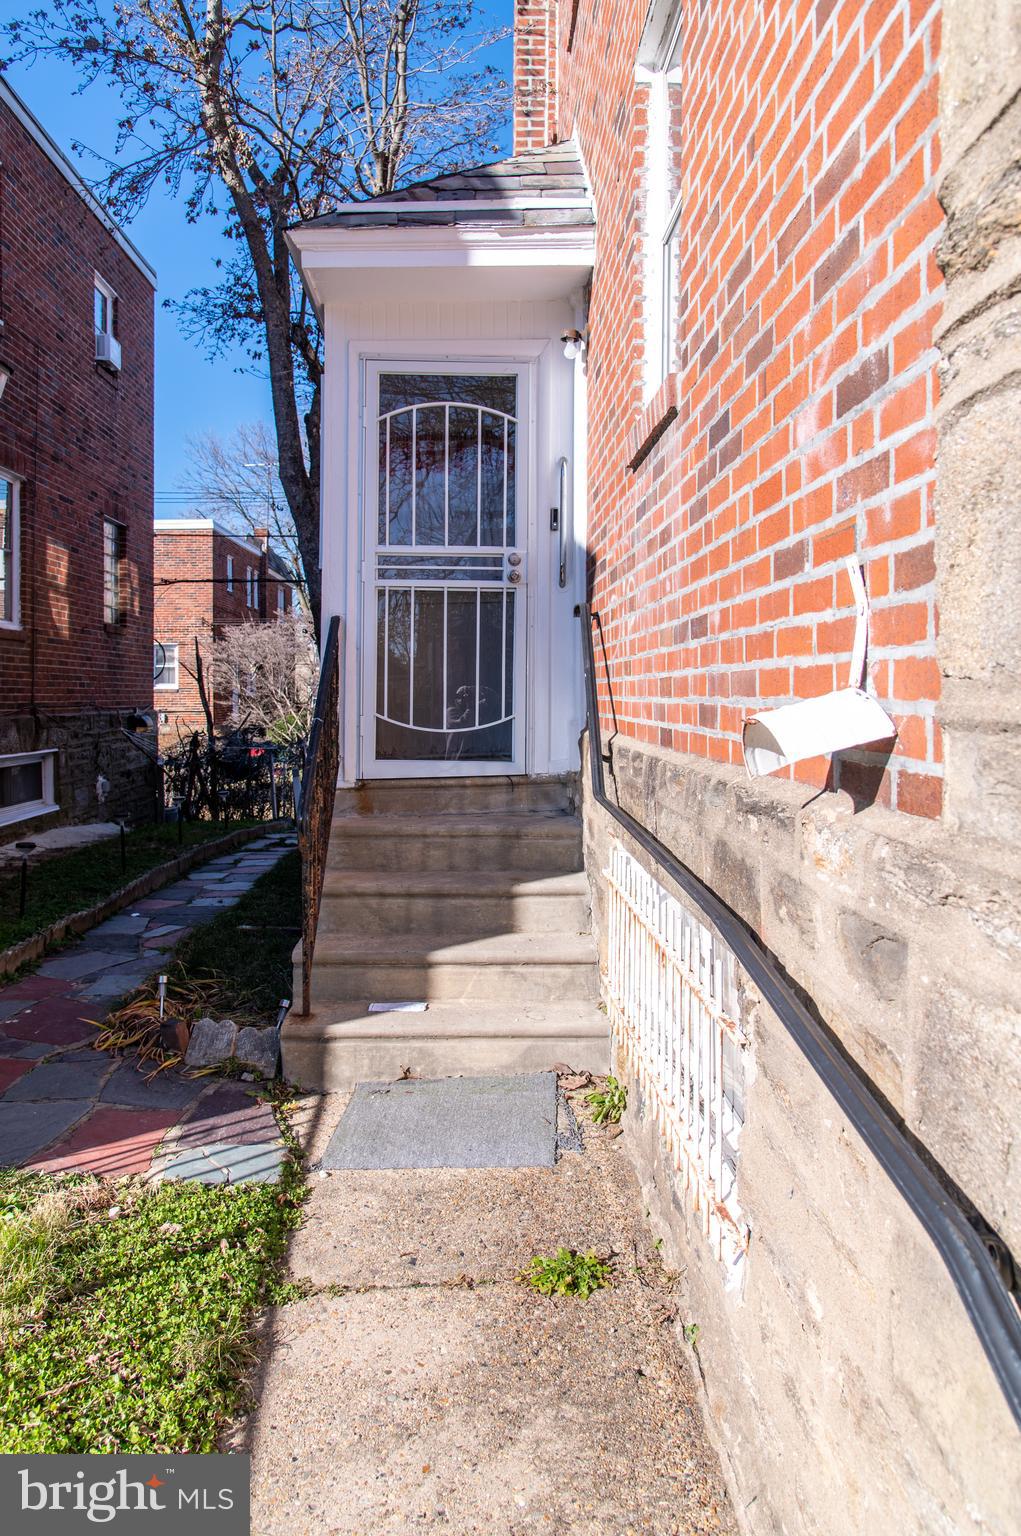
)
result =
(192, 602)
(535, 73)
(80, 437)
(807, 378)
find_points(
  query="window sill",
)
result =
(654, 420)
(26, 811)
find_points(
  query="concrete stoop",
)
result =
(467, 895)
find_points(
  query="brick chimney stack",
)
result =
(535, 71)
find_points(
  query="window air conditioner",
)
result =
(108, 350)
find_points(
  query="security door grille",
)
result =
(448, 578)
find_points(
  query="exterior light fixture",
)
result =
(574, 344)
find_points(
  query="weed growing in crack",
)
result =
(609, 1103)
(568, 1273)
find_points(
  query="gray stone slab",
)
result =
(124, 922)
(258, 1048)
(212, 1041)
(56, 1080)
(120, 944)
(8, 1010)
(260, 1163)
(79, 963)
(167, 1090)
(449, 1122)
(26, 1129)
(24, 1050)
(193, 1167)
(118, 983)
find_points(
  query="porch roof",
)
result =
(543, 188)
(516, 228)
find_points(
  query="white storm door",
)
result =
(446, 575)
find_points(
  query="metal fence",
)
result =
(318, 796)
(674, 1010)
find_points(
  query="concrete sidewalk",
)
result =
(420, 1388)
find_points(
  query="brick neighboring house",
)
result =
(743, 304)
(205, 579)
(76, 488)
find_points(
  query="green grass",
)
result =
(72, 882)
(132, 1332)
(247, 949)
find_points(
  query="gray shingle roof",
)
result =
(538, 189)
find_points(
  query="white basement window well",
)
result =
(10, 552)
(26, 786)
(166, 664)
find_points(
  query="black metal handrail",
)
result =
(318, 793)
(987, 1299)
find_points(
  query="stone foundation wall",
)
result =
(99, 775)
(844, 1382)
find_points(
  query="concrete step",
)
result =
(337, 1047)
(506, 967)
(539, 842)
(431, 797)
(459, 904)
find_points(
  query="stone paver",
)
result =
(10, 1070)
(67, 1108)
(111, 1143)
(167, 1090)
(26, 1129)
(60, 1080)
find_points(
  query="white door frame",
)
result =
(521, 358)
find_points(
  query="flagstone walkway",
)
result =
(65, 1106)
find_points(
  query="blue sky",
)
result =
(193, 394)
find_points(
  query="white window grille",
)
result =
(673, 1006)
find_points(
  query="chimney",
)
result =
(535, 73)
(261, 537)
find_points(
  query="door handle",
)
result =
(558, 521)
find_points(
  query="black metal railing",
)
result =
(967, 1253)
(318, 793)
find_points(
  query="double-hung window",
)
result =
(248, 585)
(659, 66)
(10, 553)
(166, 664)
(104, 317)
(114, 552)
(230, 573)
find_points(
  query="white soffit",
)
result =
(442, 263)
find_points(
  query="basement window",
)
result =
(26, 786)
